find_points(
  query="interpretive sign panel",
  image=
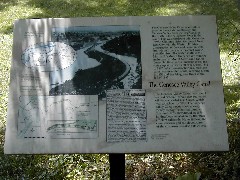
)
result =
(116, 85)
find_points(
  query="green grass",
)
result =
(211, 165)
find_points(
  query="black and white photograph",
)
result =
(107, 57)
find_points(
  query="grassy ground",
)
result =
(165, 166)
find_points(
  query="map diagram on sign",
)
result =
(74, 116)
(49, 56)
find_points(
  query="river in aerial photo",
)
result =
(82, 62)
(130, 76)
(104, 61)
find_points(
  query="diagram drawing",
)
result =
(74, 116)
(50, 56)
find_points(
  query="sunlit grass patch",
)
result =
(174, 9)
(230, 69)
(18, 11)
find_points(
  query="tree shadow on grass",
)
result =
(227, 11)
(6, 3)
(75, 166)
(211, 165)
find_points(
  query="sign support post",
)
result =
(117, 166)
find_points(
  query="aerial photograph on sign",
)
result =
(107, 57)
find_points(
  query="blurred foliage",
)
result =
(224, 165)
(190, 176)
(66, 166)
